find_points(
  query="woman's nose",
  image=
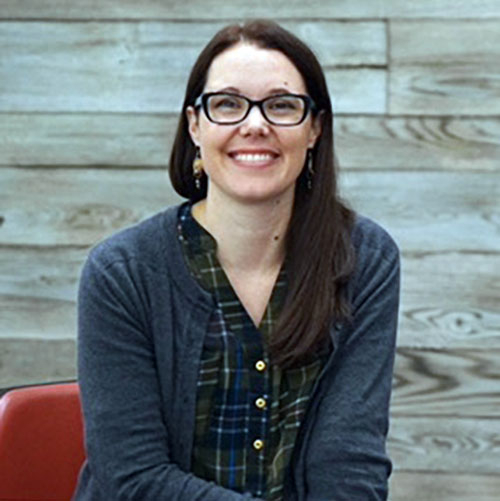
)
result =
(255, 122)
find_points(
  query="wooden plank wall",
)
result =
(89, 94)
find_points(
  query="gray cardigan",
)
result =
(141, 322)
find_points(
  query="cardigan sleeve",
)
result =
(126, 437)
(346, 458)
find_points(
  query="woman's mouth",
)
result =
(253, 158)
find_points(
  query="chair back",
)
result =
(41, 442)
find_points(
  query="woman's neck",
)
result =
(250, 236)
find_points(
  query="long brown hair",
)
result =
(320, 257)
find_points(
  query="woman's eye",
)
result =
(226, 103)
(283, 105)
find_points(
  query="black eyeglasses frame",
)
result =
(202, 102)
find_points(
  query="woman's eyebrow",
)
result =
(271, 92)
(233, 90)
(280, 90)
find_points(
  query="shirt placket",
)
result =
(259, 417)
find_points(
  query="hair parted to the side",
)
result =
(320, 257)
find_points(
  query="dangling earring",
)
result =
(197, 168)
(310, 169)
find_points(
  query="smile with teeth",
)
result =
(253, 157)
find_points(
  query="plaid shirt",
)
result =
(248, 412)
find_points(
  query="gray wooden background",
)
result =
(89, 95)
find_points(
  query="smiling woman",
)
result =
(241, 345)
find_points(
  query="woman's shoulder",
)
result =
(371, 240)
(377, 263)
(145, 256)
(144, 241)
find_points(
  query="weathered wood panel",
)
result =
(143, 67)
(449, 383)
(49, 273)
(460, 89)
(445, 445)
(444, 42)
(138, 140)
(51, 140)
(348, 44)
(444, 68)
(357, 91)
(236, 10)
(452, 297)
(77, 207)
(38, 290)
(431, 486)
(24, 361)
(429, 211)
(358, 43)
(418, 143)
(32, 317)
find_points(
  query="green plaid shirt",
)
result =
(248, 412)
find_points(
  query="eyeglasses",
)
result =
(224, 108)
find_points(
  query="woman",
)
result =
(241, 346)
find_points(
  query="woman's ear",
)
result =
(316, 128)
(194, 128)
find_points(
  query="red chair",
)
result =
(41, 443)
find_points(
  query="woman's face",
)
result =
(254, 160)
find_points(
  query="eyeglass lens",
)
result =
(227, 108)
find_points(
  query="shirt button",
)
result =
(261, 403)
(260, 365)
(258, 444)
